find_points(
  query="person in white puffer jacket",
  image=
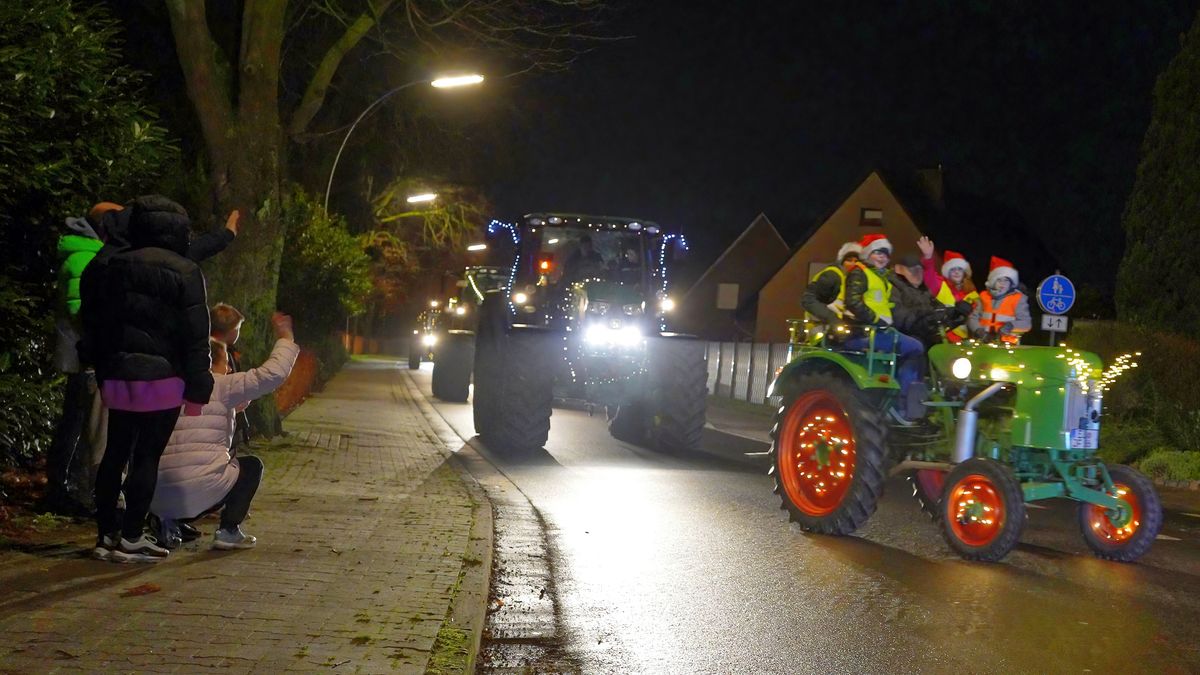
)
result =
(197, 475)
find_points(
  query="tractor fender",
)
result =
(827, 361)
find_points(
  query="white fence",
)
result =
(744, 370)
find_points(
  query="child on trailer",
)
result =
(1003, 310)
(952, 285)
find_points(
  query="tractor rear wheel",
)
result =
(513, 382)
(680, 371)
(927, 490)
(452, 369)
(1131, 540)
(415, 352)
(982, 509)
(829, 455)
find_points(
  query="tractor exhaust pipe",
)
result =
(968, 422)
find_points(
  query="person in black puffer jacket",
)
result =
(145, 330)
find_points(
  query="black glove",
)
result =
(963, 307)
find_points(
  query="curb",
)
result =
(469, 610)
(1191, 485)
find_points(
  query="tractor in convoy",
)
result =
(584, 316)
(425, 335)
(999, 426)
(455, 333)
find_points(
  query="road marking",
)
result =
(1194, 515)
(1167, 537)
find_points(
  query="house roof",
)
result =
(760, 221)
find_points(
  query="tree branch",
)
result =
(207, 89)
(318, 86)
(262, 44)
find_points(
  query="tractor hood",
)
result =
(609, 298)
(1028, 366)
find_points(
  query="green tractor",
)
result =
(584, 318)
(425, 335)
(1001, 426)
(456, 331)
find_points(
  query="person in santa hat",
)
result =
(869, 299)
(950, 286)
(1003, 310)
(825, 297)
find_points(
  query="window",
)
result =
(727, 296)
(870, 216)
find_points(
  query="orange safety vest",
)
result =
(992, 317)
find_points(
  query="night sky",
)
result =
(715, 111)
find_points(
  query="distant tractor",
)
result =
(999, 426)
(584, 316)
(425, 335)
(456, 331)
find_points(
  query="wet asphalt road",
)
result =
(667, 564)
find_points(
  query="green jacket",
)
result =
(76, 251)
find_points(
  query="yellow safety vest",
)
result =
(838, 305)
(879, 293)
(945, 295)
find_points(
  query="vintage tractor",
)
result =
(584, 318)
(425, 335)
(998, 426)
(456, 334)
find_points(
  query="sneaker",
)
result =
(188, 533)
(166, 531)
(228, 540)
(143, 549)
(899, 418)
(104, 546)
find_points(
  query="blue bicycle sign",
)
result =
(1056, 294)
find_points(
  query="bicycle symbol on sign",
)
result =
(1057, 305)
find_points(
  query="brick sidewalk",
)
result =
(363, 527)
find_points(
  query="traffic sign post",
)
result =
(1056, 295)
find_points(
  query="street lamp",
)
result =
(438, 83)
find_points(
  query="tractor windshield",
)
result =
(481, 280)
(575, 254)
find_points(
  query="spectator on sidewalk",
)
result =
(226, 323)
(198, 474)
(69, 466)
(145, 321)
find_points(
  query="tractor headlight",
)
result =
(631, 309)
(667, 304)
(520, 298)
(460, 310)
(599, 335)
(961, 368)
(429, 340)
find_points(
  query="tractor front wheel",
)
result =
(452, 369)
(415, 352)
(829, 456)
(1113, 538)
(982, 509)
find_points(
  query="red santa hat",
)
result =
(874, 242)
(953, 260)
(1001, 268)
(849, 248)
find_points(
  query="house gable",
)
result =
(872, 207)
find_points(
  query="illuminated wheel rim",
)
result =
(818, 454)
(976, 510)
(1103, 526)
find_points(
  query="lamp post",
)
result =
(439, 83)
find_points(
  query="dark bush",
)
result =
(30, 391)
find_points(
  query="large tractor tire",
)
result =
(982, 509)
(679, 367)
(513, 383)
(829, 455)
(452, 369)
(1134, 538)
(630, 423)
(415, 352)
